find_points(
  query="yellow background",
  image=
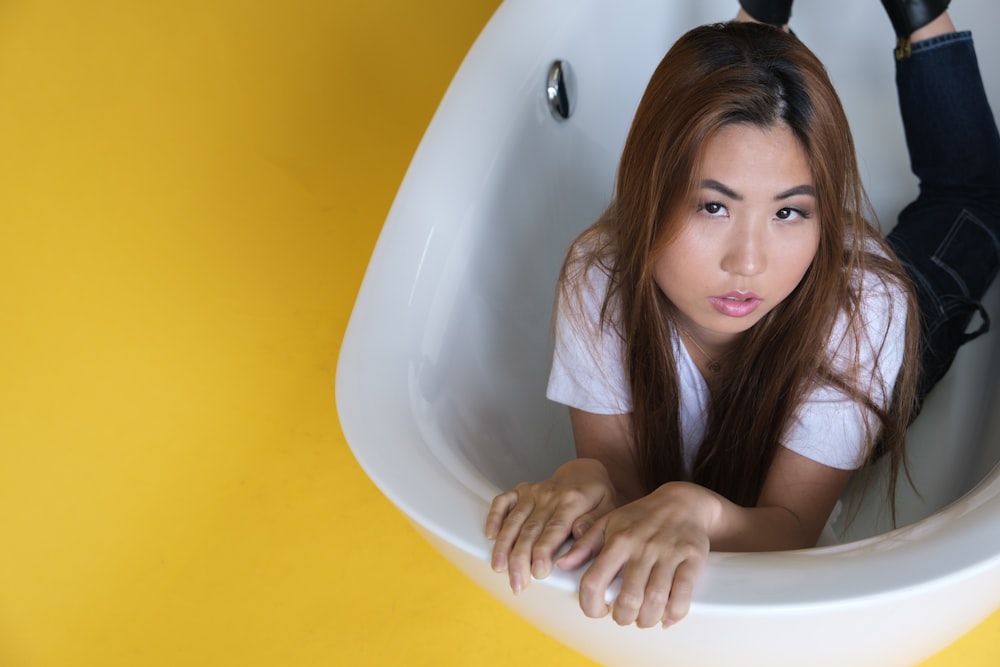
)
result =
(189, 192)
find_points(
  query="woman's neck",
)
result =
(709, 357)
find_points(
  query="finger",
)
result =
(595, 581)
(625, 609)
(499, 508)
(656, 596)
(587, 545)
(583, 523)
(509, 532)
(520, 559)
(555, 533)
(681, 591)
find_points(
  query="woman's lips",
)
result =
(735, 304)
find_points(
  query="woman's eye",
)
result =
(713, 208)
(789, 214)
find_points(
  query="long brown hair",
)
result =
(712, 77)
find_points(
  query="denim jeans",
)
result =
(948, 239)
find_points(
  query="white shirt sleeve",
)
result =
(587, 361)
(830, 427)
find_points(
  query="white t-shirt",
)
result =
(588, 373)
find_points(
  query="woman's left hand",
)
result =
(659, 544)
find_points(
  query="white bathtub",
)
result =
(440, 383)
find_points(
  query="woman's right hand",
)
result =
(533, 520)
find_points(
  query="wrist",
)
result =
(705, 506)
(583, 467)
(591, 471)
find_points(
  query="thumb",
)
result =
(584, 523)
(587, 545)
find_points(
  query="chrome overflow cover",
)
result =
(557, 90)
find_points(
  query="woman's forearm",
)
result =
(731, 527)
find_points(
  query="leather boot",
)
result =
(910, 15)
(774, 12)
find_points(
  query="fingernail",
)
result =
(667, 623)
(515, 584)
(540, 570)
(499, 564)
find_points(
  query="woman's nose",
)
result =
(746, 252)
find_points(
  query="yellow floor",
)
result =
(189, 192)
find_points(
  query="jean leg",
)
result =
(949, 237)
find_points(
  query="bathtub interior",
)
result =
(478, 231)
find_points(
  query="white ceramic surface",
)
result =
(440, 383)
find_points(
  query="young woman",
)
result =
(733, 336)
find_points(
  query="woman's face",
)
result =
(749, 237)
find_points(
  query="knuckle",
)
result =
(682, 590)
(628, 601)
(657, 597)
(506, 500)
(694, 562)
(545, 489)
(518, 514)
(531, 527)
(557, 525)
(573, 496)
(590, 589)
(623, 540)
(502, 497)
(539, 553)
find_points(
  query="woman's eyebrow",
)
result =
(797, 190)
(713, 184)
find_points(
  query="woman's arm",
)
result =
(798, 497)
(608, 439)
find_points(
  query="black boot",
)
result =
(774, 12)
(910, 15)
